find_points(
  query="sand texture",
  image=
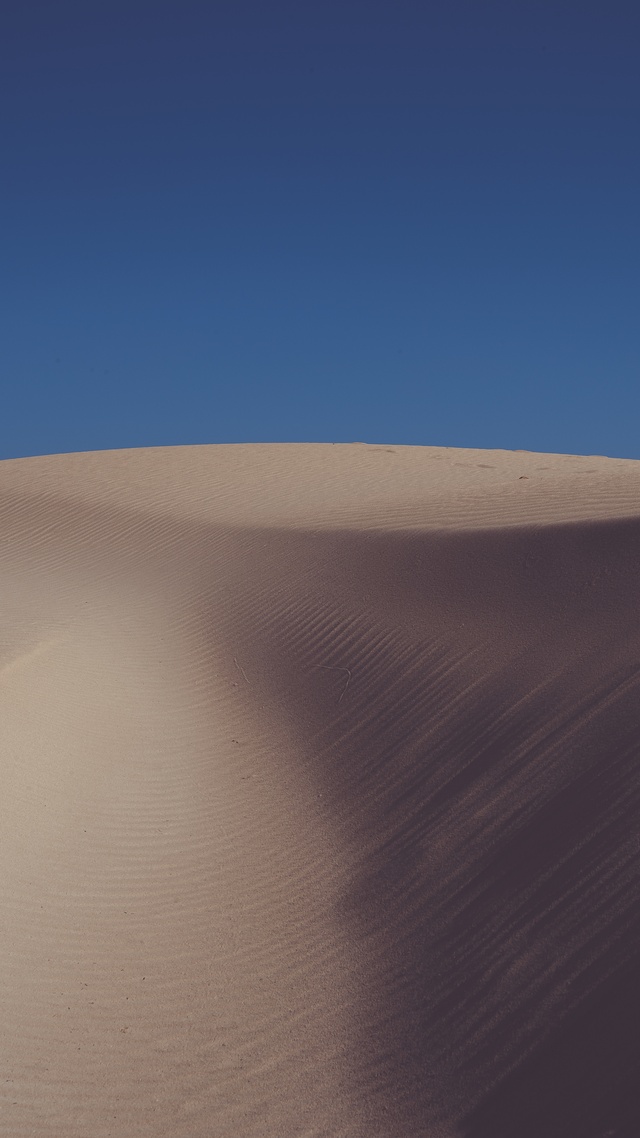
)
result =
(320, 794)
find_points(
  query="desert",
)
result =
(320, 793)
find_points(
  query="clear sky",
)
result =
(403, 221)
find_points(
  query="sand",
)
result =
(320, 794)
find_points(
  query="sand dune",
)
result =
(320, 794)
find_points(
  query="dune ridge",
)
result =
(320, 793)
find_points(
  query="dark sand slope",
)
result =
(320, 794)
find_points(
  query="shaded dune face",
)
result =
(372, 801)
(471, 720)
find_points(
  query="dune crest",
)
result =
(320, 794)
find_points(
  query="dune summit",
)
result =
(320, 794)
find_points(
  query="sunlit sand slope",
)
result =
(320, 794)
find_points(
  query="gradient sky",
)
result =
(403, 221)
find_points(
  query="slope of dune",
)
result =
(320, 794)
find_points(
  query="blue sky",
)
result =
(382, 221)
